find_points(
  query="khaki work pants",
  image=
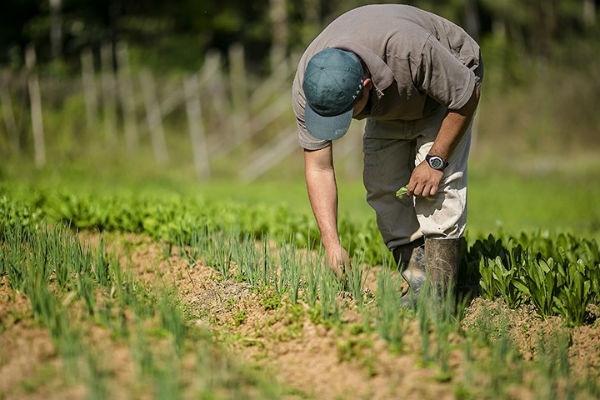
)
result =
(391, 151)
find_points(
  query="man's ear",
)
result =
(368, 83)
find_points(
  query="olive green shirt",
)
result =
(417, 61)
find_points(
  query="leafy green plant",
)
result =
(540, 283)
(400, 193)
(573, 295)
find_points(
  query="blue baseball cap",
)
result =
(333, 80)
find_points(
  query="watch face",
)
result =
(436, 162)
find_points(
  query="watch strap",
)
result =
(429, 159)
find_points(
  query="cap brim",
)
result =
(327, 128)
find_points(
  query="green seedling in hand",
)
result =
(401, 192)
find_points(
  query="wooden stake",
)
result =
(109, 103)
(238, 87)
(278, 15)
(8, 116)
(127, 98)
(56, 36)
(589, 13)
(35, 99)
(211, 78)
(196, 127)
(90, 93)
(153, 117)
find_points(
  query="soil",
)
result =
(313, 358)
(28, 359)
(302, 354)
(308, 357)
(527, 329)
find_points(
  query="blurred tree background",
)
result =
(179, 32)
(541, 89)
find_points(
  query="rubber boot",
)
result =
(442, 257)
(438, 265)
(410, 259)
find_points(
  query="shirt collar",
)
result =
(381, 75)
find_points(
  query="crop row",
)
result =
(49, 264)
(56, 271)
(74, 289)
(558, 273)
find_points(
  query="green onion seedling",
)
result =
(402, 192)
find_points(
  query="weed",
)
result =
(239, 318)
(349, 349)
(271, 300)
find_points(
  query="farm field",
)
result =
(165, 290)
(156, 237)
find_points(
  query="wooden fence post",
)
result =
(279, 34)
(211, 77)
(37, 122)
(90, 93)
(238, 87)
(153, 117)
(7, 114)
(127, 98)
(56, 36)
(109, 104)
(589, 13)
(196, 127)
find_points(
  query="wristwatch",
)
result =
(436, 162)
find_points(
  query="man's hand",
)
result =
(338, 260)
(424, 181)
(322, 193)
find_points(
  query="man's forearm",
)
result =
(322, 193)
(453, 127)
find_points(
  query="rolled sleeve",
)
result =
(306, 140)
(443, 77)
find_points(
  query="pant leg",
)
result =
(388, 163)
(443, 215)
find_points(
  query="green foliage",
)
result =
(559, 274)
(330, 285)
(291, 270)
(400, 193)
(391, 320)
(357, 277)
(56, 272)
(271, 300)
(556, 273)
(240, 317)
